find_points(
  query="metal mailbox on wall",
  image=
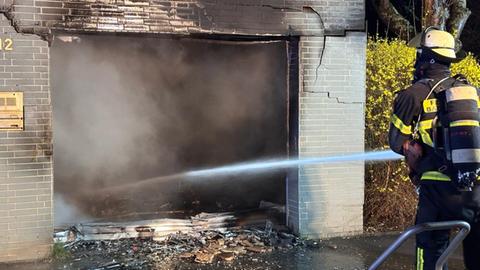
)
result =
(11, 111)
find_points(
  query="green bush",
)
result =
(470, 68)
(390, 200)
(59, 253)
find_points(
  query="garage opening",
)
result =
(130, 108)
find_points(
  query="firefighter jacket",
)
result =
(408, 105)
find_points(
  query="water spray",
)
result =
(268, 165)
(247, 168)
(262, 166)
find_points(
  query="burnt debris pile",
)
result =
(203, 239)
(202, 247)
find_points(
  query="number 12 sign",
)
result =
(6, 44)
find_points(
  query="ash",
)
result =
(210, 247)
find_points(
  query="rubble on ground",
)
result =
(202, 239)
(203, 247)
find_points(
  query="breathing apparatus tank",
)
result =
(458, 120)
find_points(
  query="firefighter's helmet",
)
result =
(441, 43)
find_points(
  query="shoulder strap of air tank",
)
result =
(460, 78)
(432, 89)
(442, 85)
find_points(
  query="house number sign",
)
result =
(6, 44)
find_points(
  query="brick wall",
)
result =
(241, 17)
(26, 225)
(323, 200)
(331, 107)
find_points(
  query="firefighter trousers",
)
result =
(441, 201)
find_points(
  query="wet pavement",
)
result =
(336, 254)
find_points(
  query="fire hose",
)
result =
(431, 226)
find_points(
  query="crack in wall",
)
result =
(311, 9)
(321, 57)
(8, 13)
(43, 33)
(282, 8)
(329, 95)
(337, 99)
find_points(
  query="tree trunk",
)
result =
(449, 15)
(459, 14)
(429, 14)
(394, 21)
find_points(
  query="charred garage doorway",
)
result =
(130, 108)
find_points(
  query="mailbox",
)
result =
(11, 111)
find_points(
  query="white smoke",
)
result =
(65, 213)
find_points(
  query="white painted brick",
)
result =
(331, 123)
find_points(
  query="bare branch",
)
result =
(391, 17)
(442, 13)
(459, 14)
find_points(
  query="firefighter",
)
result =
(411, 135)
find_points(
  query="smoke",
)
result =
(130, 108)
(65, 213)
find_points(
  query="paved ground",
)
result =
(335, 254)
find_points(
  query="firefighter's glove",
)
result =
(414, 178)
(413, 152)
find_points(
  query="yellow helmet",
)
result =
(441, 43)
